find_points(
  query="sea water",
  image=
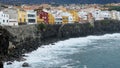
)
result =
(83, 52)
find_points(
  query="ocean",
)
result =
(83, 52)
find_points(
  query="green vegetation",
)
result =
(77, 27)
(41, 26)
(105, 22)
(91, 25)
(117, 8)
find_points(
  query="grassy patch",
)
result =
(117, 8)
(41, 26)
(91, 25)
(105, 22)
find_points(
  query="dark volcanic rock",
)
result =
(52, 44)
(25, 64)
(27, 38)
(4, 41)
(9, 63)
(1, 64)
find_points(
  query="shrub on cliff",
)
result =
(91, 25)
(117, 8)
(105, 22)
(41, 26)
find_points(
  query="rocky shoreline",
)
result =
(29, 38)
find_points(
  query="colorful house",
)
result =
(67, 17)
(43, 16)
(21, 16)
(39, 20)
(64, 19)
(75, 16)
(51, 18)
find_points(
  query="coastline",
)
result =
(53, 34)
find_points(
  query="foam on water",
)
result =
(52, 54)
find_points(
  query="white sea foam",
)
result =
(52, 54)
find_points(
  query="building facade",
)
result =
(43, 16)
(74, 15)
(67, 17)
(97, 15)
(21, 16)
(13, 16)
(31, 17)
(83, 16)
(115, 15)
(51, 18)
(4, 18)
(106, 14)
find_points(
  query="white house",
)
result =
(106, 14)
(118, 15)
(13, 16)
(58, 19)
(58, 16)
(115, 15)
(4, 18)
(97, 15)
(70, 17)
(31, 17)
(83, 15)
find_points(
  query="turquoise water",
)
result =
(84, 52)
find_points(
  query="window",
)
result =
(31, 15)
(44, 17)
(3, 21)
(24, 20)
(20, 20)
(7, 20)
(31, 20)
(6, 15)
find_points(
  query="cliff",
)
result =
(27, 38)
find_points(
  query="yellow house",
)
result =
(39, 20)
(64, 19)
(21, 16)
(75, 16)
(51, 18)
